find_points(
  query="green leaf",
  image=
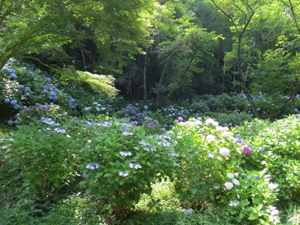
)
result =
(253, 216)
(88, 191)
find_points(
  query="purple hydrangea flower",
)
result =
(5, 69)
(44, 108)
(27, 109)
(257, 177)
(85, 176)
(37, 105)
(75, 118)
(247, 150)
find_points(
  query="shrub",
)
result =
(120, 164)
(211, 172)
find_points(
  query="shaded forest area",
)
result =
(164, 50)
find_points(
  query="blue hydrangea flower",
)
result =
(13, 102)
(48, 79)
(145, 107)
(27, 89)
(13, 76)
(134, 166)
(257, 177)
(21, 86)
(6, 100)
(92, 166)
(16, 106)
(60, 130)
(123, 174)
(10, 122)
(37, 105)
(5, 69)
(44, 92)
(53, 96)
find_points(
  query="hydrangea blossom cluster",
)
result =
(124, 174)
(246, 149)
(177, 113)
(148, 147)
(125, 153)
(229, 185)
(73, 104)
(224, 151)
(134, 166)
(92, 166)
(49, 121)
(234, 203)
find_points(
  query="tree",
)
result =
(34, 26)
(263, 37)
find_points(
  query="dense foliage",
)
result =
(73, 148)
(205, 129)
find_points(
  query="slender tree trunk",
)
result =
(145, 78)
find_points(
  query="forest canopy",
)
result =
(175, 49)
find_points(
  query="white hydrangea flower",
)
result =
(127, 133)
(226, 134)
(125, 153)
(272, 186)
(224, 151)
(236, 182)
(234, 203)
(210, 138)
(228, 185)
(215, 123)
(134, 166)
(230, 175)
(209, 121)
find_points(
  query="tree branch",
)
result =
(31, 57)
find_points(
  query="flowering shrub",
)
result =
(275, 148)
(45, 156)
(25, 86)
(120, 164)
(210, 171)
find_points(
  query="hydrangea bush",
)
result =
(210, 163)
(120, 163)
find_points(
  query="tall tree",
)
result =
(33, 26)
